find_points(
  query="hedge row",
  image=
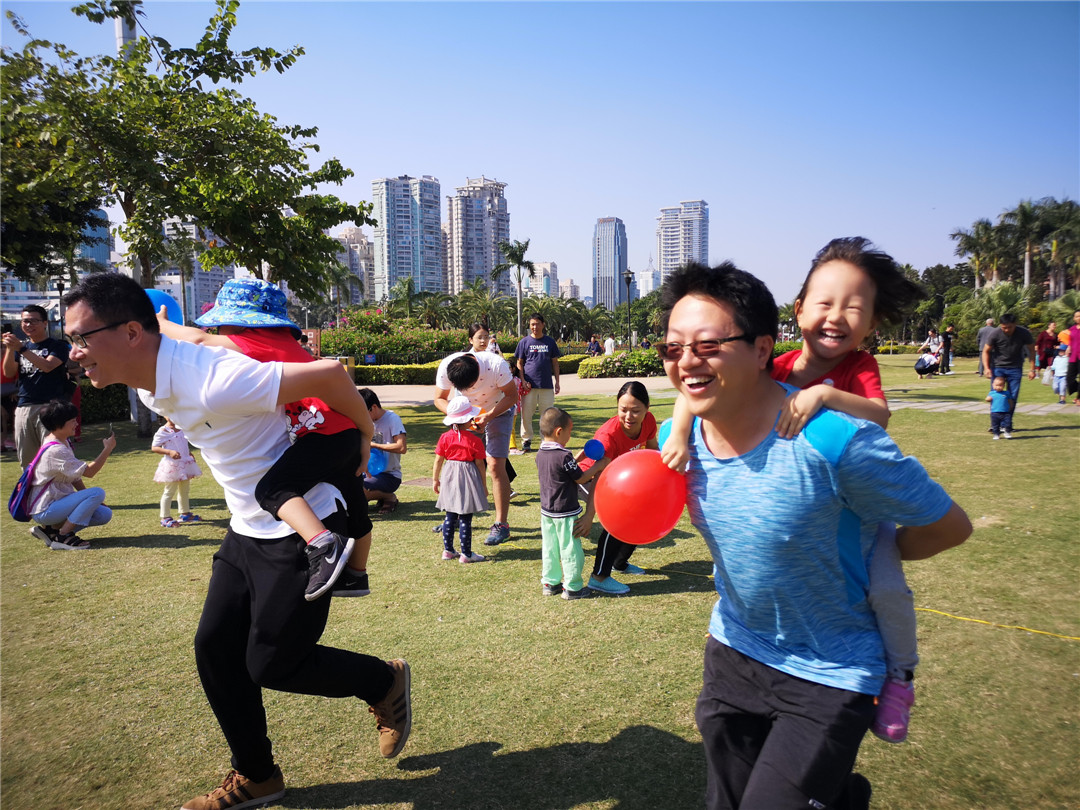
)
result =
(424, 373)
(109, 404)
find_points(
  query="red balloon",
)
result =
(638, 498)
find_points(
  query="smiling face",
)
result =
(102, 359)
(631, 413)
(34, 326)
(727, 378)
(838, 311)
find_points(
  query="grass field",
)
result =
(534, 703)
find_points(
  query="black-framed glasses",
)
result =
(33, 320)
(80, 340)
(700, 348)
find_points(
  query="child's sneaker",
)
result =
(552, 590)
(471, 558)
(326, 561)
(894, 710)
(450, 555)
(169, 523)
(584, 593)
(350, 584)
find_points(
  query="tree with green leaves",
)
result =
(1025, 227)
(514, 252)
(157, 143)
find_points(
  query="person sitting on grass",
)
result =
(250, 315)
(57, 493)
(390, 438)
(560, 476)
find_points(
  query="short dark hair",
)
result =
(754, 307)
(57, 413)
(463, 371)
(894, 293)
(37, 310)
(1008, 317)
(371, 399)
(114, 298)
(635, 389)
(552, 419)
(536, 316)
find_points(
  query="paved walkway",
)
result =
(660, 388)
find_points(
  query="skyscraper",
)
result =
(648, 279)
(408, 238)
(609, 262)
(358, 255)
(477, 220)
(682, 235)
(546, 280)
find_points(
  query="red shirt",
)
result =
(857, 373)
(276, 343)
(616, 442)
(460, 445)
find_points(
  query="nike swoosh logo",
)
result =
(332, 558)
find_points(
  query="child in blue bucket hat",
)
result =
(250, 316)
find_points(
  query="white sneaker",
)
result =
(1006, 434)
(471, 558)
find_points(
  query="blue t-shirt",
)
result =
(999, 401)
(791, 533)
(538, 355)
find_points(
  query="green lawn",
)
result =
(527, 702)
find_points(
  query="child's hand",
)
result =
(798, 409)
(675, 454)
(435, 486)
(110, 442)
(174, 454)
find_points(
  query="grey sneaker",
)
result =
(500, 533)
(584, 593)
(552, 590)
(325, 564)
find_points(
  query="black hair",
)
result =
(635, 389)
(371, 399)
(37, 310)
(894, 293)
(114, 298)
(476, 327)
(1008, 317)
(57, 413)
(753, 306)
(463, 371)
(552, 419)
(536, 316)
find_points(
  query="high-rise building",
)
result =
(202, 287)
(569, 289)
(358, 254)
(546, 280)
(648, 279)
(477, 219)
(408, 238)
(609, 262)
(682, 235)
(100, 251)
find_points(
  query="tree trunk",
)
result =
(1027, 265)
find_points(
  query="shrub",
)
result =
(416, 374)
(625, 364)
(109, 404)
(408, 345)
(569, 363)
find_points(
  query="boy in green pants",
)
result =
(563, 558)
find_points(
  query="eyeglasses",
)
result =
(700, 348)
(33, 320)
(80, 340)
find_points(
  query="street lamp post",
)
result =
(628, 277)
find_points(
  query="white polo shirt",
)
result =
(227, 405)
(485, 393)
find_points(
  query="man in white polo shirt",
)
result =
(256, 631)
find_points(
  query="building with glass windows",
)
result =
(408, 240)
(477, 219)
(682, 235)
(609, 262)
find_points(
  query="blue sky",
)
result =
(797, 122)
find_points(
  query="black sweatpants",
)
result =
(610, 552)
(316, 458)
(257, 631)
(777, 742)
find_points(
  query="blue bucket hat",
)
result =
(249, 302)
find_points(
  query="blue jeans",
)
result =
(83, 508)
(1012, 378)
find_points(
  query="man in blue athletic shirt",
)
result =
(793, 659)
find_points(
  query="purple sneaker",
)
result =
(894, 710)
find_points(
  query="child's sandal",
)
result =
(187, 517)
(169, 523)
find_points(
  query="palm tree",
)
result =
(478, 303)
(436, 309)
(515, 257)
(1026, 227)
(1063, 225)
(404, 299)
(977, 243)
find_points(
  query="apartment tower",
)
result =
(682, 235)
(408, 237)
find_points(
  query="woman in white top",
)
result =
(62, 504)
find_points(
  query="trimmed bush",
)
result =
(624, 364)
(415, 374)
(109, 404)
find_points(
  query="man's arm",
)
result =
(442, 398)
(986, 356)
(12, 344)
(922, 542)
(11, 368)
(555, 372)
(329, 381)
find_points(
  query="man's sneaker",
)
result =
(526, 446)
(499, 533)
(69, 542)
(350, 584)
(552, 590)
(449, 555)
(996, 437)
(325, 564)
(393, 714)
(237, 791)
(1006, 434)
(46, 534)
(632, 569)
(610, 586)
(894, 710)
(471, 558)
(568, 594)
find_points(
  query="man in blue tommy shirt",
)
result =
(794, 658)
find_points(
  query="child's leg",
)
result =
(465, 535)
(167, 496)
(359, 557)
(893, 605)
(551, 570)
(571, 554)
(449, 526)
(183, 499)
